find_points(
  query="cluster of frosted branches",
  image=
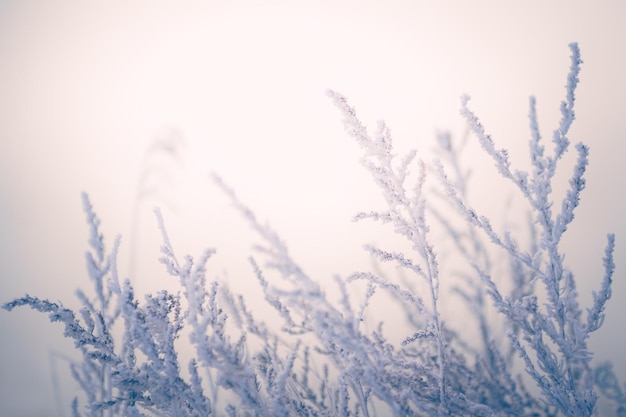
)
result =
(321, 360)
(556, 333)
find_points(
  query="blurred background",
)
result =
(137, 102)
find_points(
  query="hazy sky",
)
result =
(238, 87)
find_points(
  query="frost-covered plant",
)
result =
(323, 361)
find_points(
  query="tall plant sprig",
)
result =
(405, 212)
(493, 357)
(561, 364)
(216, 352)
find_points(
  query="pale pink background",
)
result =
(86, 87)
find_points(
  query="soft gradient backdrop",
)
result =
(136, 102)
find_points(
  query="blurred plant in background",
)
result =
(323, 359)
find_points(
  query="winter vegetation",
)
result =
(331, 357)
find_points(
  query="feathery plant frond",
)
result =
(405, 212)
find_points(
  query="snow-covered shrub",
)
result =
(323, 361)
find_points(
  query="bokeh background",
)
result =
(136, 102)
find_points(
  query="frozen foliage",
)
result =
(323, 360)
